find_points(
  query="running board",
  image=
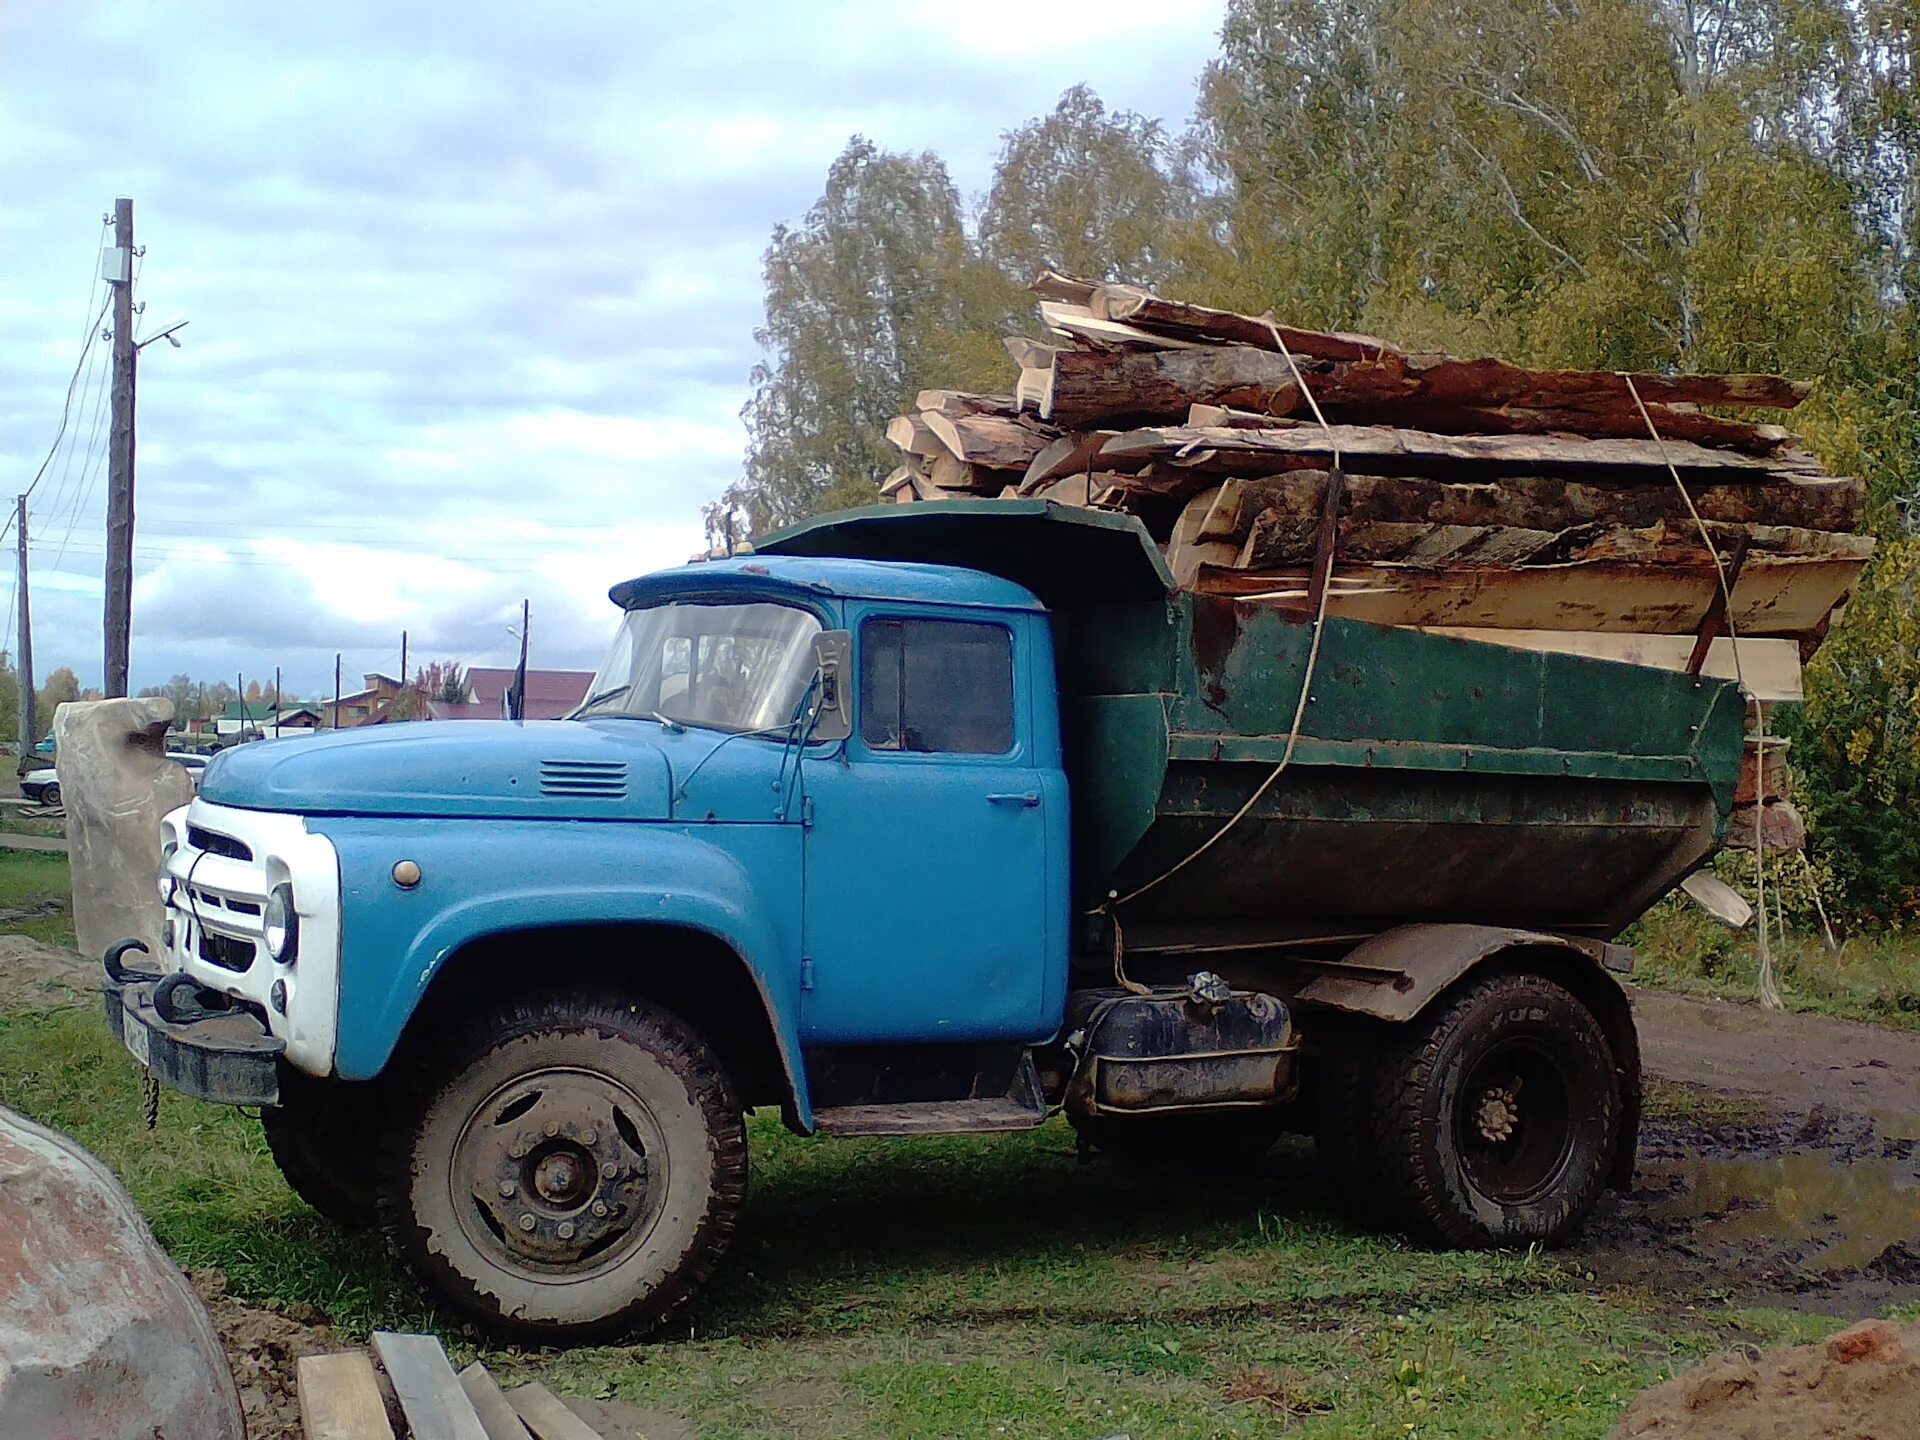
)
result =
(1022, 1107)
(931, 1117)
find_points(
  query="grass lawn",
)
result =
(1870, 977)
(35, 896)
(967, 1287)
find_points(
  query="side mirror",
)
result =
(833, 709)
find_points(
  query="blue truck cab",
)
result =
(909, 823)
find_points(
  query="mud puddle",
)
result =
(1820, 1213)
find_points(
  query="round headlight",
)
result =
(280, 924)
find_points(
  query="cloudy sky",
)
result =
(471, 287)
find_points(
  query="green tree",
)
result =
(872, 297)
(1094, 193)
(9, 699)
(62, 688)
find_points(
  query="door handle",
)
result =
(1027, 801)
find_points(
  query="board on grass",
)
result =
(340, 1398)
(430, 1393)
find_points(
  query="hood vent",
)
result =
(584, 779)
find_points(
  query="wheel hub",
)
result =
(1497, 1115)
(559, 1169)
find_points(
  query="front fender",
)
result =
(481, 879)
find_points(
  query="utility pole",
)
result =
(28, 732)
(119, 607)
(403, 659)
(517, 697)
(336, 692)
(276, 702)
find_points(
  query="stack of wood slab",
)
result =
(1529, 508)
(957, 446)
(342, 1397)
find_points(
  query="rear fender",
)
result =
(1397, 974)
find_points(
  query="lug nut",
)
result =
(589, 1137)
(612, 1172)
(553, 1129)
(599, 1209)
(507, 1187)
(526, 1222)
(517, 1150)
(566, 1229)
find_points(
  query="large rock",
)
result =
(116, 782)
(101, 1337)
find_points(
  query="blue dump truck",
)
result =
(922, 820)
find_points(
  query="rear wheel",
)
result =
(575, 1173)
(50, 797)
(1495, 1121)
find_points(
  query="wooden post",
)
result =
(119, 602)
(28, 729)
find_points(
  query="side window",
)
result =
(936, 686)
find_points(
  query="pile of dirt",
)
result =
(1863, 1384)
(264, 1341)
(37, 976)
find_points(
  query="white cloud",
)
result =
(472, 288)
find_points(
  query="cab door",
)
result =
(935, 858)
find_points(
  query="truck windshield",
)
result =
(722, 667)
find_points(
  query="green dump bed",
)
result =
(1433, 779)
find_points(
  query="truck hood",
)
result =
(553, 769)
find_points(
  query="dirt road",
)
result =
(1792, 1062)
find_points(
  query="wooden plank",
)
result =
(1369, 446)
(1094, 384)
(340, 1398)
(1034, 389)
(995, 441)
(430, 1393)
(1052, 285)
(1778, 595)
(955, 403)
(1771, 668)
(495, 1412)
(1151, 312)
(1081, 323)
(1545, 502)
(546, 1417)
(1029, 354)
(910, 435)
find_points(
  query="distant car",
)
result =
(42, 787)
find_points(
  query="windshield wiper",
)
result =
(593, 700)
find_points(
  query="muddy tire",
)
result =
(324, 1137)
(575, 1171)
(1495, 1121)
(1341, 1085)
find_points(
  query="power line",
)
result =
(66, 407)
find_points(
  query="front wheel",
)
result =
(50, 797)
(1495, 1122)
(575, 1173)
(323, 1135)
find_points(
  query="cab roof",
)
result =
(803, 576)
